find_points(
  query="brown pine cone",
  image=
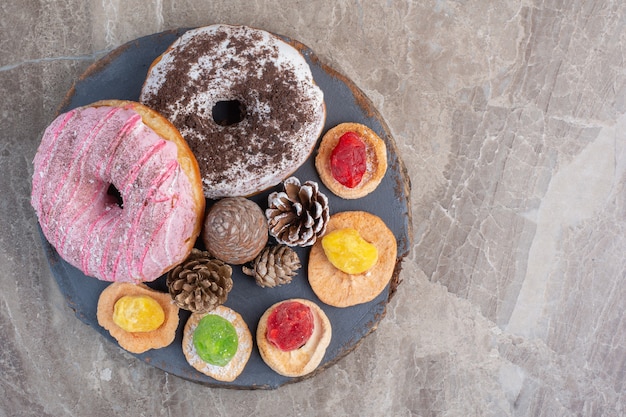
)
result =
(275, 265)
(299, 214)
(235, 230)
(200, 283)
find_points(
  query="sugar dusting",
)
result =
(82, 153)
(284, 108)
(244, 346)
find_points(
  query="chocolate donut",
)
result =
(244, 100)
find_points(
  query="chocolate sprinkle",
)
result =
(269, 132)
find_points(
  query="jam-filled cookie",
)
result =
(292, 336)
(354, 261)
(217, 343)
(351, 160)
(138, 317)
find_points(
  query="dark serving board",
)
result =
(120, 75)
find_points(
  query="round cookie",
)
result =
(375, 160)
(339, 289)
(236, 365)
(137, 342)
(300, 361)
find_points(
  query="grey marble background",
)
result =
(511, 119)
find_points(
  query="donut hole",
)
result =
(115, 193)
(228, 112)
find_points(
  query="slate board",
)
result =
(120, 75)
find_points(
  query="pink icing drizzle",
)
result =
(84, 151)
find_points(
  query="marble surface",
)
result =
(510, 117)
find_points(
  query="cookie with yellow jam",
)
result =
(375, 247)
(138, 317)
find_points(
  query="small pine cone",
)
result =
(299, 214)
(275, 265)
(200, 283)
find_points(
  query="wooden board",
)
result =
(120, 75)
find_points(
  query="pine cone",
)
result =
(275, 265)
(299, 214)
(235, 230)
(200, 283)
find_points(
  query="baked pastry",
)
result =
(138, 317)
(217, 343)
(235, 230)
(244, 100)
(292, 336)
(151, 225)
(351, 160)
(337, 288)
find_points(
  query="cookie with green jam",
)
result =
(217, 343)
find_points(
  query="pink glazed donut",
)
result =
(150, 224)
